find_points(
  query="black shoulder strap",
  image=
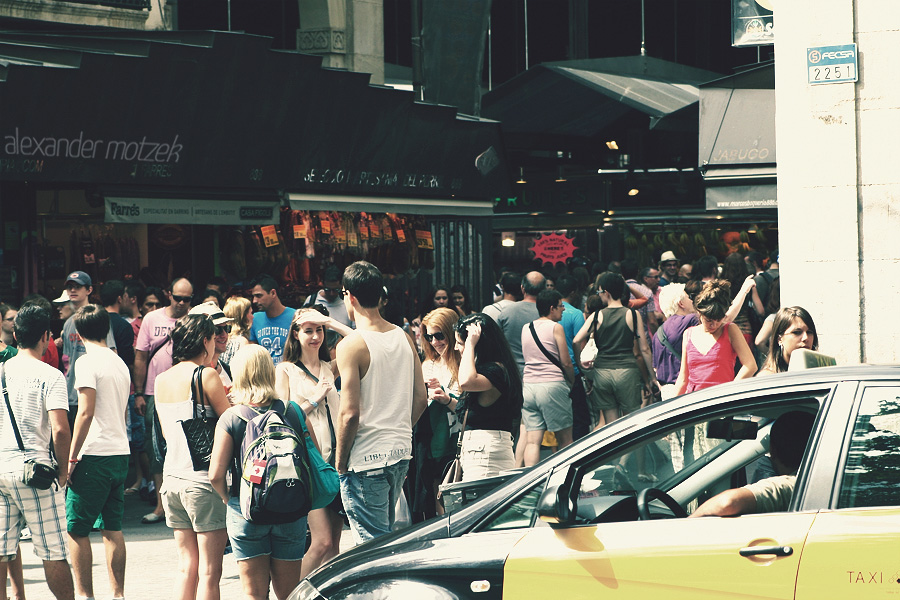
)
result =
(549, 356)
(634, 323)
(226, 367)
(12, 417)
(327, 409)
(664, 340)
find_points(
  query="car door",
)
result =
(672, 559)
(752, 556)
(853, 549)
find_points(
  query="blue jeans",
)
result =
(370, 498)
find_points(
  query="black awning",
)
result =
(224, 110)
(582, 98)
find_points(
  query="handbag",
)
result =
(200, 430)
(324, 480)
(35, 474)
(453, 472)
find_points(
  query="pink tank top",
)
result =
(712, 368)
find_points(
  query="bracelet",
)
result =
(313, 403)
(73, 460)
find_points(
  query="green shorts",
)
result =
(96, 489)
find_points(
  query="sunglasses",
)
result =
(221, 330)
(439, 336)
(182, 298)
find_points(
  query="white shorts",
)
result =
(485, 453)
(42, 511)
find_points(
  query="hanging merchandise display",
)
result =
(297, 251)
(99, 252)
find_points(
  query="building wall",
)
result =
(838, 178)
(348, 34)
(74, 13)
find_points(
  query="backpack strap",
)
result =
(664, 340)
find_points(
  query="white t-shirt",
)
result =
(34, 389)
(102, 370)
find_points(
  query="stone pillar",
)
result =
(348, 34)
(838, 176)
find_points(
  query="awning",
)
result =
(737, 120)
(181, 110)
(182, 211)
(420, 206)
(582, 98)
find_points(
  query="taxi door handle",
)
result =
(776, 550)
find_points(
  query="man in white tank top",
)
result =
(382, 396)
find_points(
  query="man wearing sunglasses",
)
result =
(79, 287)
(330, 296)
(152, 356)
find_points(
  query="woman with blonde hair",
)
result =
(239, 310)
(263, 552)
(191, 505)
(305, 376)
(437, 429)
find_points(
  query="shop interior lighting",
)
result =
(611, 171)
(634, 192)
(559, 175)
(612, 145)
(521, 175)
(753, 228)
(508, 239)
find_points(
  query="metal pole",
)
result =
(525, 4)
(643, 36)
(418, 74)
(229, 15)
(490, 57)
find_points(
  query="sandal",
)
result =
(132, 490)
(151, 518)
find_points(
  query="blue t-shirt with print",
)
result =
(272, 333)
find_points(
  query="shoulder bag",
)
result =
(200, 430)
(36, 474)
(325, 483)
(453, 473)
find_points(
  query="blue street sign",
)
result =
(832, 64)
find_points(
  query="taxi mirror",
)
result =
(555, 507)
(730, 428)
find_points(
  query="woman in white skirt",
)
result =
(492, 405)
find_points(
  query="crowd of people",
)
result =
(389, 405)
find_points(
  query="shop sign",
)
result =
(832, 64)
(741, 197)
(184, 211)
(553, 248)
(423, 240)
(270, 236)
(752, 22)
(324, 224)
(401, 235)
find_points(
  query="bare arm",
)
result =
(764, 332)
(730, 503)
(350, 352)
(87, 400)
(681, 382)
(748, 362)
(62, 440)
(339, 327)
(469, 378)
(739, 299)
(283, 384)
(420, 393)
(219, 462)
(563, 349)
(140, 380)
(646, 354)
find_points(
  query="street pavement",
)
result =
(151, 565)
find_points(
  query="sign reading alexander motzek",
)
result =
(832, 64)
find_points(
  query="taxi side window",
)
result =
(520, 513)
(872, 471)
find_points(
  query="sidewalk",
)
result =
(151, 564)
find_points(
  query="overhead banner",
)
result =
(181, 211)
(752, 22)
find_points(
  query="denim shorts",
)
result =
(370, 499)
(286, 541)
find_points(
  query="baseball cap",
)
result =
(63, 298)
(211, 310)
(80, 277)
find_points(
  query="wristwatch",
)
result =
(313, 403)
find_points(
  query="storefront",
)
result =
(158, 155)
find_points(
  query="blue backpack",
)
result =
(275, 474)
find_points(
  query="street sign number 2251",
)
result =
(839, 72)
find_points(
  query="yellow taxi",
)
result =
(606, 517)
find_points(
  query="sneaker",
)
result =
(151, 518)
(25, 535)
